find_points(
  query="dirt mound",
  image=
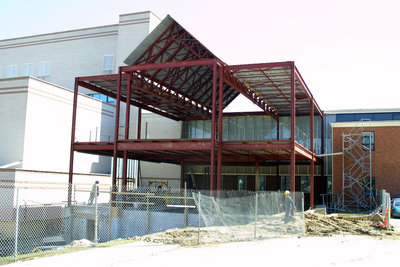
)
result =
(273, 227)
(265, 228)
(328, 225)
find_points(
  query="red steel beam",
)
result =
(149, 49)
(257, 146)
(260, 65)
(292, 130)
(116, 130)
(123, 99)
(71, 155)
(312, 151)
(220, 107)
(164, 146)
(127, 119)
(307, 91)
(214, 100)
(83, 146)
(179, 64)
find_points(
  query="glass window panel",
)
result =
(383, 116)
(284, 128)
(396, 116)
(199, 129)
(225, 129)
(303, 130)
(232, 128)
(317, 135)
(345, 117)
(305, 184)
(249, 128)
(207, 129)
(258, 122)
(366, 116)
(241, 125)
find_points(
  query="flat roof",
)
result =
(361, 111)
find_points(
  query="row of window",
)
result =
(42, 69)
(27, 69)
(388, 116)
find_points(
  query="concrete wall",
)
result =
(13, 100)
(36, 119)
(132, 29)
(79, 52)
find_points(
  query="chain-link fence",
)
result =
(98, 214)
(245, 215)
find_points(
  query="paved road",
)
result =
(395, 222)
(308, 251)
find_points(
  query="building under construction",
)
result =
(172, 74)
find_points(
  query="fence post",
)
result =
(109, 214)
(185, 223)
(198, 210)
(256, 216)
(147, 214)
(302, 210)
(75, 193)
(16, 226)
(96, 215)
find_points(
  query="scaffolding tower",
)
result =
(357, 187)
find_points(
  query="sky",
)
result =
(348, 51)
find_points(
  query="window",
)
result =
(242, 182)
(101, 97)
(27, 69)
(285, 183)
(305, 183)
(11, 71)
(44, 68)
(383, 116)
(108, 63)
(368, 138)
(345, 117)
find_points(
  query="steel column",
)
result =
(323, 180)
(127, 119)
(116, 130)
(220, 107)
(312, 151)
(277, 128)
(214, 98)
(139, 125)
(292, 130)
(71, 155)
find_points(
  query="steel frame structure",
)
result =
(177, 77)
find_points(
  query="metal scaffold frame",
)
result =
(357, 190)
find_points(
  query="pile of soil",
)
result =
(336, 224)
(315, 225)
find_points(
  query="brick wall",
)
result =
(385, 158)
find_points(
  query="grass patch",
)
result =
(65, 250)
